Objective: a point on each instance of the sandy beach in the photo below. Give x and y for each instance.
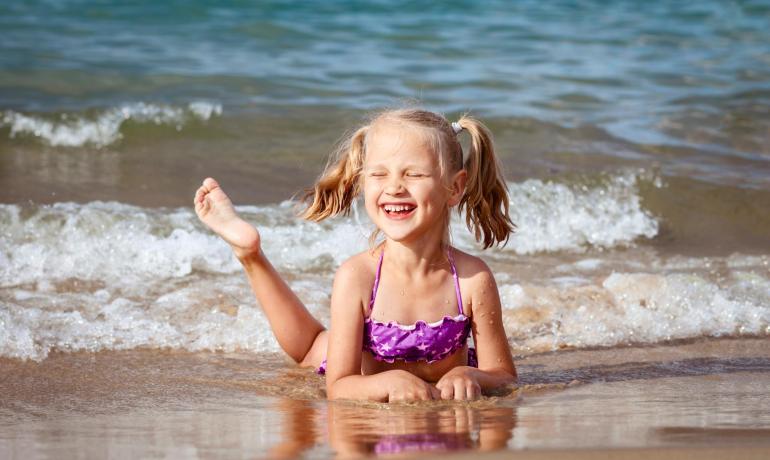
(704, 399)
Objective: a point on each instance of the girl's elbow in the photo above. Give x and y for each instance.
(507, 377)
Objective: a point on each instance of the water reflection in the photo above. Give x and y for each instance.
(354, 430)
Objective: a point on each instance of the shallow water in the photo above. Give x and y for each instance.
(150, 403)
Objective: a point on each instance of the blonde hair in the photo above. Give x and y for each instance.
(485, 200)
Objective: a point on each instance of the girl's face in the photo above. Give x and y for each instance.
(404, 193)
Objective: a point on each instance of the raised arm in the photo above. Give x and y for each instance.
(297, 331)
(344, 355)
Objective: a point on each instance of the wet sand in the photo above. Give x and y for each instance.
(706, 398)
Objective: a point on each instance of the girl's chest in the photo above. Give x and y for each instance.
(408, 302)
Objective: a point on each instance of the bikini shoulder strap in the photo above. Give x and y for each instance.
(457, 281)
(376, 282)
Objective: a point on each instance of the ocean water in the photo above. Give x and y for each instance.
(634, 138)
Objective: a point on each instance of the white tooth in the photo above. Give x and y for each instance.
(397, 207)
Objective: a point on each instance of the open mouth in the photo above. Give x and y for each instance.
(398, 210)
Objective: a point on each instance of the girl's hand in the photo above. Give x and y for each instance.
(215, 209)
(405, 386)
(461, 383)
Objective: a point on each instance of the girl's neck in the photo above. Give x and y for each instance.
(417, 257)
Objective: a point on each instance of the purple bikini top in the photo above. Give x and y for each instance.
(420, 341)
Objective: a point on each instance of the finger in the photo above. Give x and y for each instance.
(459, 391)
(472, 391)
(447, 392)
(435, 393)
(210, 184)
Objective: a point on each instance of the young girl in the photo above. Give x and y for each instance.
(401, 312)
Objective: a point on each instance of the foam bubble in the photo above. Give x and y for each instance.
(103, 129)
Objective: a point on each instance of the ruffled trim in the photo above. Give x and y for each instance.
(436, 324)
(451, 351)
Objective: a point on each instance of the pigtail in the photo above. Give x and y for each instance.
(486, 195)
(339, 184)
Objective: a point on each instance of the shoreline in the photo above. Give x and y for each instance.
(706, 397)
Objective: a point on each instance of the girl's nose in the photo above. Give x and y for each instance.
(395, 186)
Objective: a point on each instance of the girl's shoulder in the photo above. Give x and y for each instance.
(470, 267)
(358, 272)
(477, 283)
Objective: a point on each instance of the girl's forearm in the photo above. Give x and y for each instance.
(294, 327)
(361, 387)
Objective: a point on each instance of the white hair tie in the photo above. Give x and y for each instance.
(456, 127)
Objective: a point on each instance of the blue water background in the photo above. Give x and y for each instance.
(629, 67)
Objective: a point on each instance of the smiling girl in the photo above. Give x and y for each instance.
(402, 311)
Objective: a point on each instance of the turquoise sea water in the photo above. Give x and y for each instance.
(635, 137)
(654, 72)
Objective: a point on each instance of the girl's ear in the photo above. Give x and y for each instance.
(457, 187)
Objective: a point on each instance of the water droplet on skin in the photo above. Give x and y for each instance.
(491, 322)
(499, 360)
(483, 315)
(403, 293)
(446, 301)
(492, 313)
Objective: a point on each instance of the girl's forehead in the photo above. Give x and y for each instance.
(388, 141)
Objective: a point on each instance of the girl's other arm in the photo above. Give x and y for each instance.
(496, 366)
(343, 366)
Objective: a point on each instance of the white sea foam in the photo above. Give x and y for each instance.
(635, 308)
(554, 216)
(113, 276)
(74, 130)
